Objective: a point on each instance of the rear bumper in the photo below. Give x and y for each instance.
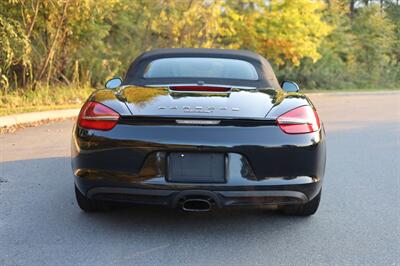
(265, 166)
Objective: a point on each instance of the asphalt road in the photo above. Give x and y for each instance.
(358, 222)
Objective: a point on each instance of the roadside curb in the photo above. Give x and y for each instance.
(10, 122)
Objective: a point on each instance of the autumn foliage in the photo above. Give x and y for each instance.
(320, 44)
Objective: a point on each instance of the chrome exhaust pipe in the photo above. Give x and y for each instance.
(196, 205)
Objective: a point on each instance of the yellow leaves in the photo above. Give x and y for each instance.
(188, 24)
(282, 30)
(105, 35)
(293, 30)
(286, 30)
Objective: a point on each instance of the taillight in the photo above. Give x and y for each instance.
(95, 115)
(303, 119)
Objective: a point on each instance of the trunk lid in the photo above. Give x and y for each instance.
(235, 103)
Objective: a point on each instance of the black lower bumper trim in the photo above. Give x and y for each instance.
(172, 198)
(268, 193)
(130, 191)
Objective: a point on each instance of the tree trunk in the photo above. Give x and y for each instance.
(52, 46)
(36, 10)
(351, 9)
(28, 35)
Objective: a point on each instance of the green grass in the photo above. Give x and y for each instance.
(43, 98)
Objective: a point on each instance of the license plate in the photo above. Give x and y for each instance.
(196, 167)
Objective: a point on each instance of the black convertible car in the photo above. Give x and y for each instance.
(198, 129)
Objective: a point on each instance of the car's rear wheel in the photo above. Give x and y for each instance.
(89, 205)
(306, 209)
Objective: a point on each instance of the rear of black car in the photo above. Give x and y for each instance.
(199, 146)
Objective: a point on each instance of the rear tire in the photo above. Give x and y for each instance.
(306, 209)
(89, 205)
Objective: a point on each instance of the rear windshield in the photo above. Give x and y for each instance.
(200, 67)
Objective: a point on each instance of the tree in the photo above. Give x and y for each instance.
(330, 43)
(375, 38)
(190, 24)
(284, 31)
(14, 52)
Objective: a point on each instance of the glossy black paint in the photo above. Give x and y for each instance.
(266, 166)
(252, 103)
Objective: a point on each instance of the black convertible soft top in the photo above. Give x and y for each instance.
(264, 70)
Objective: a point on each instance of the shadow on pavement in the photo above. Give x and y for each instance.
(40, 192)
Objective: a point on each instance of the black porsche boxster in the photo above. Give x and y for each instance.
(198, 129)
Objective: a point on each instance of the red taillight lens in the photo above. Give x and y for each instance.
(300, 120)
(94, 115)
(199, 88)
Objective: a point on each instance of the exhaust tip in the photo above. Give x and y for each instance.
(196, 205)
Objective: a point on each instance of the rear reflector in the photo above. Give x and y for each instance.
(95, 115)
(303, 119)
(199, 88)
